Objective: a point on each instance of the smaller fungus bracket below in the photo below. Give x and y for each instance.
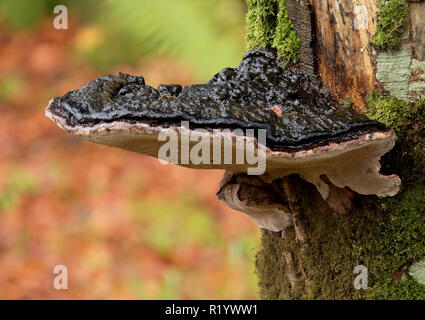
(263, 202)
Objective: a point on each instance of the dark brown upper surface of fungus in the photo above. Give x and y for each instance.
(248, 96)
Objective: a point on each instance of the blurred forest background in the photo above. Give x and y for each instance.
(126, 226)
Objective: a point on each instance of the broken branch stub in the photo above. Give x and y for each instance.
(306, 131)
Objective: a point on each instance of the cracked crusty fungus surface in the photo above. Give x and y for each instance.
(307, 132)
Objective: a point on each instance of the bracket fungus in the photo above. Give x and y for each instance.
(305, 132)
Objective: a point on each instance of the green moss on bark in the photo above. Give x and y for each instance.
(396, 240)
(268, 25)
(261, 23)
(286, 40)
(395, 113)
(391, 25)
(406, 289)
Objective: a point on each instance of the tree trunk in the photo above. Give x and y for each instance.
(317, 258)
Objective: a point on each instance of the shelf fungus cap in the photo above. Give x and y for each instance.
(258, 110)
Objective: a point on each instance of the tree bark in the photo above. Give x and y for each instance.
(316, 259)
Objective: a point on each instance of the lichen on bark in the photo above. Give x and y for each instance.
(268, 25)
(393, 71)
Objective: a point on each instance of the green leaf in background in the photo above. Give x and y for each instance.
(182, 221)
(19, 182)
(10, 84)
(207, 35)
(23, 13)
